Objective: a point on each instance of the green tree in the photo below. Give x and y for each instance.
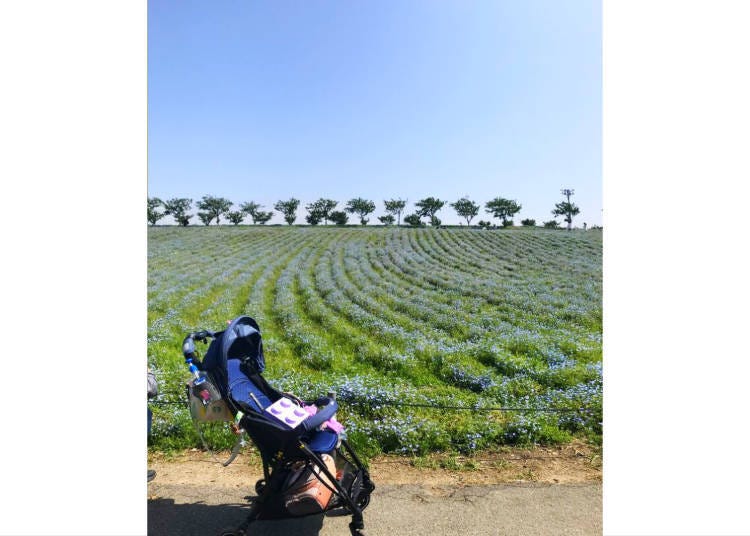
(360, 206)
(503, 208)
(567, 209)
(339, 217)
(288, 209)
(177, 207)
(394, 207)
(251, 209)
(314, 216)
(413, 220)
(152, 213)
(205, 217)
(236, 216)
(388, 219)
(321, 210)
(466, 208)
(528, 222)
(262, 217)
(552, 224)
(214, 207)
(428, 207)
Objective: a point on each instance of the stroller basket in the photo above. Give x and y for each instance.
(306, 440)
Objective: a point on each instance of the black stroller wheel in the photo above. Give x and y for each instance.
(357, 532)
(363, 501)
(260, 486)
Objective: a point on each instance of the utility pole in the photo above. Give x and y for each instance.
(567, 193)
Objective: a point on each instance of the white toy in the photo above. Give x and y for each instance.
(287, 412)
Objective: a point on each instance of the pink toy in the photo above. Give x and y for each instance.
(331, 424)
(288, 412)
(334, 425)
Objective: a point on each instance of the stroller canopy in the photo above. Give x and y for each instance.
(242, 341)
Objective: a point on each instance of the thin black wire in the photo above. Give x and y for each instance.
(467, 408)
(408, 461)
(429, 406)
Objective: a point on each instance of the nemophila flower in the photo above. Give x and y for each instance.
(473, 382)
(472, 440)
(559, 362)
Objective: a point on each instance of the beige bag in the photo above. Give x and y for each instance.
(217, 409)
(305, 493)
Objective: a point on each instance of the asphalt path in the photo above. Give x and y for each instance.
(529, 509)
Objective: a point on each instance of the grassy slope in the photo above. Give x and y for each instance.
(451, 316)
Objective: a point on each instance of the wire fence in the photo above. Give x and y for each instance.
(442, 407)
(501, 458)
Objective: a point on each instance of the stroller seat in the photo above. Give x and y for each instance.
(246, 393)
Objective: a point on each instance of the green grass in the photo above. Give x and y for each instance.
(464, 317)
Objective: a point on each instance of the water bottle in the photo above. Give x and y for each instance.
(201, 384)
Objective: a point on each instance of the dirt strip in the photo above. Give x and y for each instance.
(568, 464)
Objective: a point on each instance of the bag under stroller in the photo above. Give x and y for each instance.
(308, 467)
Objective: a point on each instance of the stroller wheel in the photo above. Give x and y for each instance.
(260, 486)
(233, 532)
(363, 501)
(355, 531)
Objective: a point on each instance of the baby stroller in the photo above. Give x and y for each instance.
(294, 448)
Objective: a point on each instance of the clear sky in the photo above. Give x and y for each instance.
(267, 100)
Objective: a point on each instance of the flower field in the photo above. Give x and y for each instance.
(405, 325)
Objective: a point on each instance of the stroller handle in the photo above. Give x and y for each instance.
(188, 344)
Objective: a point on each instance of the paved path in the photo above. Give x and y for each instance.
(395, 510)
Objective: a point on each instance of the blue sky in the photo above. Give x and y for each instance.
(269, 100)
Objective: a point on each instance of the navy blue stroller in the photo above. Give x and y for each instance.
(305, 450)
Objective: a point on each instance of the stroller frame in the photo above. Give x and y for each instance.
(279, 445)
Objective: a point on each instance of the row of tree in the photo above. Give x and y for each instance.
(212, 208)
